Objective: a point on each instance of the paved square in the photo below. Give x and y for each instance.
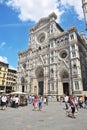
(52, 117)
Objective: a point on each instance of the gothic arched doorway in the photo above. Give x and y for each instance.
(40, 79)
(66, 88)
(65, 81)
(23, 83)
(40, 87)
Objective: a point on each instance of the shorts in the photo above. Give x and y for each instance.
(3, 103)
(40, 104)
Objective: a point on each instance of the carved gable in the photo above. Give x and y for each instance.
(44, 21)
(44, 29)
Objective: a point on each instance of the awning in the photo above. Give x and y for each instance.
(18, 92)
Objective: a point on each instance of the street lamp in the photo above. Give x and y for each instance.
(84, 6)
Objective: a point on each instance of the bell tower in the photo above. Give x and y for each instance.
(84, 6)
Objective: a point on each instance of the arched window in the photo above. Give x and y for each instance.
(40, 74)
(51, 72)
(76, 85)
(22, 80)
(72, 36)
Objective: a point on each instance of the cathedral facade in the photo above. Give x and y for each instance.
(55, 62)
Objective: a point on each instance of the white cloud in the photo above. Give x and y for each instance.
(76, 4)
(2, 44)
(11, 67)
(35, 9)
(3, 59)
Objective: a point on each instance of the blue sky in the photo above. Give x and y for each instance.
(18, 16)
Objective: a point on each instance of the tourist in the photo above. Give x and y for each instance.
(16, 101)
(40, 103)
(35, 103)
(3, 101)
(72, 104)
(66, 99)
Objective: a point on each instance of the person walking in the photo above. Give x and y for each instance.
(16, 101)
(35, 103)
(76, 103)
(72, 104)
(3, 101)
(40, 103)
(66, 99)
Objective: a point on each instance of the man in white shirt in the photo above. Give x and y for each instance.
(16, 101)
(3, 101)
(66, 98)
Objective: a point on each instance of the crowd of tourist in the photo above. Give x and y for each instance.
(14, 101)
(37, 101)
(72, 103)
(9, 100)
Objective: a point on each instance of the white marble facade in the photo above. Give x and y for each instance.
(55, 61)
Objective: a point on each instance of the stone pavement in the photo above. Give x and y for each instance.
(53, 117)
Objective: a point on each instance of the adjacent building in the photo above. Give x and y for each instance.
(8, 78)
(55, 62)
(11, 84)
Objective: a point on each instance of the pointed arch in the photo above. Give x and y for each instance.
(39, 72)
(22, 80)
(23, 83)
(64, 73)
